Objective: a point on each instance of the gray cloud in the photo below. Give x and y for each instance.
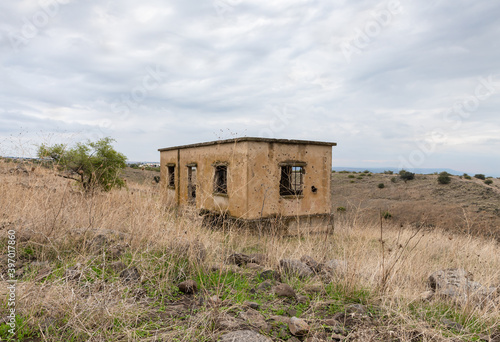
(256, 68)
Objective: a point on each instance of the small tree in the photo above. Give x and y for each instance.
(406, 175)
(444, 178)
(479, 176)
(488, 182)
(95, 164)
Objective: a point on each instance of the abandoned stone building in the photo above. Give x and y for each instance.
(251, 179)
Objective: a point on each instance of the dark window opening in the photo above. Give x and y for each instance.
(292, 180)
(171, 176)
(192, 184)
(220, 179)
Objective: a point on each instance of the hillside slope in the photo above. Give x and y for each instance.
(468, 206)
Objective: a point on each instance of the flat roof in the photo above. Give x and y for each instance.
(242, 139)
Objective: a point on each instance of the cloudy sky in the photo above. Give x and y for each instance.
(394, 83)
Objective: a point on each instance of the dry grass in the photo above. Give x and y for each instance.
(54, 222)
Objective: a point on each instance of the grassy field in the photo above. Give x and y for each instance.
(105, 267)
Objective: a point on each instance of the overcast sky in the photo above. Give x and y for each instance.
(394, 83)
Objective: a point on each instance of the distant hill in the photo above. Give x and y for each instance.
(464, 206)
(422, 171)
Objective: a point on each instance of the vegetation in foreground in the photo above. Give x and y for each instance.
(107, 266)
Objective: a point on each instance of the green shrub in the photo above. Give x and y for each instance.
(353, 181)
(488, 182)
(381, 186)
(350, 176)
(388, 172)
(394, 179)
(341, 209)
(386, 215)
(359, 177)
(366, 171)
(466, 176)
(444, 178)
(479, 176)
(406, 175)
(369, 175)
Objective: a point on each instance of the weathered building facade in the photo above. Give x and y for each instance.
(251, 179)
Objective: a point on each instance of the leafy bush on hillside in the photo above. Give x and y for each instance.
(388, 172)
(488, 182)
(466, 176)
(479, 176)
(381, 186)
(406, 175)
(350, 176)
(444, 178)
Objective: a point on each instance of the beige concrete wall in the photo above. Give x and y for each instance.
(253, 178)
(265, 173)
(234, 155)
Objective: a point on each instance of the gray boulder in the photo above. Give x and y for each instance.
(457, 284)
(244, 336)
(294, 267)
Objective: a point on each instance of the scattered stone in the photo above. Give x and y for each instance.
(188, 287)
(227, 322)
(254, 266)
(295, 267)
(284, 290)
(130, 274)
(298, 327)
(252, 305)
(265, 286)
(40, 264)
(451, 324)
(313, 264)
(303, 299)
(255, 319)
(334, 267)
(244, 336)
(280, 319)
(458, 284)
(239, 259)
(270, 274)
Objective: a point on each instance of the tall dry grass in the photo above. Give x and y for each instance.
(54, 221)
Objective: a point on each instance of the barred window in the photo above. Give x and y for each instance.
(171, 176)
(292, 180)
(220, 180)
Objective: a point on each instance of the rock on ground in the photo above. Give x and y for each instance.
(298, 327)
(244, 336)
(284, 290)
(188, 287)
(458, 284)
(296, 267)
